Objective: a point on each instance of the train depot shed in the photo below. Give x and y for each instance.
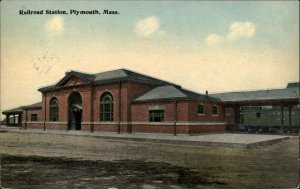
(274, 110)
(13, 117)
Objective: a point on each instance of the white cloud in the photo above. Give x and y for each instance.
(213, 39)
(55, 26)
(239, 30)
(148, 27)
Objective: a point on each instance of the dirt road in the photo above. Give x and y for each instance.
(31, 160)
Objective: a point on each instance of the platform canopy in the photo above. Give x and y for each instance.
(286, 96)
(13, 111)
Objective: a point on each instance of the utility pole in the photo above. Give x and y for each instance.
(175, 118)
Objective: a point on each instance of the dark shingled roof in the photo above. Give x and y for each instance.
(12, 111)
(171, 92)
(295, 84)
(103, 77)
(20, 109)
(85, 76)
(35, 105)
(127, 74)
(292, 92)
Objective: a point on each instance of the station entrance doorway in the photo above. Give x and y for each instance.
(75, 111)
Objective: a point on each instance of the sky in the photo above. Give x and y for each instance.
(218, 46)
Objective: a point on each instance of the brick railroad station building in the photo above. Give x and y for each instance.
(122, 101)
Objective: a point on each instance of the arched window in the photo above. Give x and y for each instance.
(54, 109)
(106, 107)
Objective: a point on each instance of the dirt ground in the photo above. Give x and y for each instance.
(31, 160)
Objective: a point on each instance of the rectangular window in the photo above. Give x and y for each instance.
(200, 109)
(156, 115)
(242, 119)
(33, 117)
(215, 110)
(258, 115)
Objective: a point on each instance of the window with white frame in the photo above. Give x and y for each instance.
(106, 107)
(156, 115)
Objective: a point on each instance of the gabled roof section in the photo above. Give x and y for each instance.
(128, 74)
(109, 76)
(142, 77)
(170, 92)
(291, 92)
(47, 88)
(84, 76)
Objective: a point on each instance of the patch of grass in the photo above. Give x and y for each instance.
(34, 171)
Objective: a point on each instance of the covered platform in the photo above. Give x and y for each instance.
(13, 116)
(287, 98)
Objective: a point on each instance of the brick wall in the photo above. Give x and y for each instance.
(26, 117)
(208, 115)
(49, 126)
(106, 127)
(130, 112)
(85, 127)
(187, 113)
(53, 126)
(140, 111)
(32, 125)
(133, 90)
(63, 98)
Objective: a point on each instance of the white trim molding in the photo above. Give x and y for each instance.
(152, 123)
(34, 122)
(101, 123)
(200, 123)
(56, 122)
(41, 122)
(179, 123)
